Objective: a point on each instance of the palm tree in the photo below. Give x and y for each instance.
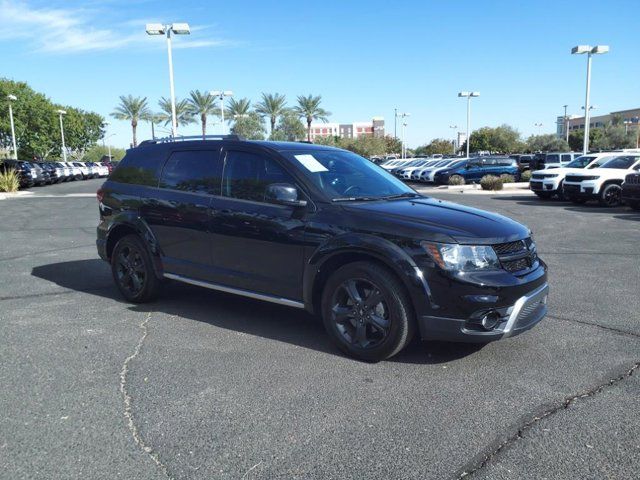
(309, 109)
(184, 115)
(153, 118)
(237, 108)
(272, 106)
(133, 109)
(202, 104)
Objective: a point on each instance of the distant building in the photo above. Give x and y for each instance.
(561, 125)
(373, 128)
(630, 118)
(461, 139)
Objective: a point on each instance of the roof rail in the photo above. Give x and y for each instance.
(182, 138)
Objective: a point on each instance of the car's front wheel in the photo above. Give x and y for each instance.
(367, 311)
(133, 271)
(611, 195)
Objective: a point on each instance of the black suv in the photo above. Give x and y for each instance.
(631, 190)
(321, 229)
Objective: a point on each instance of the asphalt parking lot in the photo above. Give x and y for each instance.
(203, 385)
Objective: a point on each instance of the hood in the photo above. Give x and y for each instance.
(560, 170)
(613, 172)
(437, 220)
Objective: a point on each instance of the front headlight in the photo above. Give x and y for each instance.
(464, 258)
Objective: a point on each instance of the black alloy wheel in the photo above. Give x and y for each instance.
(132, 270)
(360, 313)
(611, 195)
(367, 312)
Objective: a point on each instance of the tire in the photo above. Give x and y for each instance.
(360, 328)
(132, 270)
(543, 195)
(611, 195)
(635, 205)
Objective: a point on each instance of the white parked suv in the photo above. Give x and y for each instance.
(76, 173)
(603, 183)
(545, 183)
(405, 173)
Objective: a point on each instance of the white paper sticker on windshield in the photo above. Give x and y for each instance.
(310, 163)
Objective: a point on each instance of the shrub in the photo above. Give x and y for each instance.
(491, 182)
(506, 178)
(9, 181)
(456, 180)
(525, 176)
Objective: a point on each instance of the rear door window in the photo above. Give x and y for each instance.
(247, 174)
(139, 166)
(197, 171)
(566, 158)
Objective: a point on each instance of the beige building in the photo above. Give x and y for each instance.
(630, 118)
(348, 130)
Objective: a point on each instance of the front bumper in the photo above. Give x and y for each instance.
(586, 189)
(545, 185)
(524, 314)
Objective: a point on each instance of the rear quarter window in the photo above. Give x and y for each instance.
(139, 167)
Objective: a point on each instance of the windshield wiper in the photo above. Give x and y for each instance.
(354, 199)
(401, 195)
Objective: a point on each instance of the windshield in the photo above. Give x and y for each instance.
(341, 174)
(621, 162)
(580, 162)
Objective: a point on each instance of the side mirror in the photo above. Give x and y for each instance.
(283, 194)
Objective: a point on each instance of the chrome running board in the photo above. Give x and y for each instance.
(235, 291)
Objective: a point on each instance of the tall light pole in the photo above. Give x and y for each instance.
(403, 150)
(106, 137)
(64, 148)
(468, 95)
(167, 30)
(539, 125)
(221, 94)
(12, 98)
(566, 124)
(454, 142)
(590, 51)
(395, 123)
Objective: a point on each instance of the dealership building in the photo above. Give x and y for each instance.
(630, 118)
(374, 128)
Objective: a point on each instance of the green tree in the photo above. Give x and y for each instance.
(309, 108)
(184, 113)
(436, 146)
(502, 139)
(237, 108)
(97, 152)
(272, 106)
(289, 128)
(392, 145)
(603, 138)
(547, 143)
(249, 126)
(131, 109)
(202, 105)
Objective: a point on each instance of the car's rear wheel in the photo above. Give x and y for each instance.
(367, 311)
(132, 270)
(611, 195)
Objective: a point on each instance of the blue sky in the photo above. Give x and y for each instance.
(364, 57)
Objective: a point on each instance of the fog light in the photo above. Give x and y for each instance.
(490, 320)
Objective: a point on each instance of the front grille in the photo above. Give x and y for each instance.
(571, 188)
(509, 248)
(533, 309)
(573, 178)
(516, 256)
(535, 185)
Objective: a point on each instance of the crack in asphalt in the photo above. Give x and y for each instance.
(483, 459)
(592, 324)
(127, 400)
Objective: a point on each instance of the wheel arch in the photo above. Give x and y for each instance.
(130, 225)
(343, 250)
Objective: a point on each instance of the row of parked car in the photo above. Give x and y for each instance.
(441, 170)
(610, 178)
(46, 173)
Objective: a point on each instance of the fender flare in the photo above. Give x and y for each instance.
(132, 221)
(382, 250)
